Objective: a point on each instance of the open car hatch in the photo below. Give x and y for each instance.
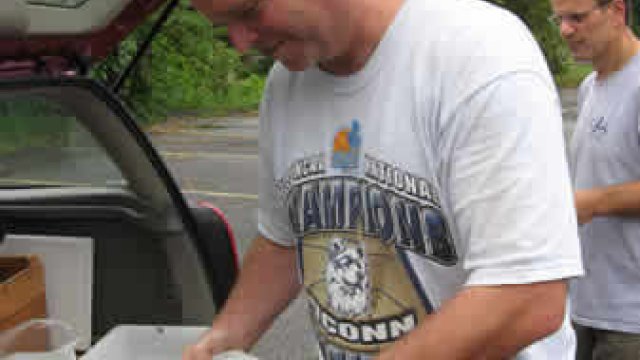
(64, 36)
(84, 188)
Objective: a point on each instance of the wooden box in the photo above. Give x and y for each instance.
(22, 290)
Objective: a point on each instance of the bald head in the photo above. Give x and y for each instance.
(337, 34)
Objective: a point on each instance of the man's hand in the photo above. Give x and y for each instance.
(615, 200)
(587, 202)
(211, 343)
(267, 282)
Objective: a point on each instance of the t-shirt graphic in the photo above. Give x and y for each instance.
(346, 147)
(354, 235)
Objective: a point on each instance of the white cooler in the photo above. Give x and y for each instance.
(152, 342)
(144, 342)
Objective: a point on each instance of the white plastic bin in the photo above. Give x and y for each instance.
(144, 342)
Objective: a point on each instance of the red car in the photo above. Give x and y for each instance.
(82, 186)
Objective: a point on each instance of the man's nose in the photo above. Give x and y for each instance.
(566, 28)
(242, 36)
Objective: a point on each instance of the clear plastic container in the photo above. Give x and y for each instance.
(38, 339)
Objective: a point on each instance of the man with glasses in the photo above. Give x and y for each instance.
(410, 183)
(605, 167)
(576, 18)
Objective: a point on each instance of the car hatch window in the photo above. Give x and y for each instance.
(42, 145)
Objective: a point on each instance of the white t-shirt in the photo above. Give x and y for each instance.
(606, 151)
(438, 166)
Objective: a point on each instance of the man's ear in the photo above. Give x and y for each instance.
(619, 9)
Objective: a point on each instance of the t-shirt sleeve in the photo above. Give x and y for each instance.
(507, 176)
(272, 213)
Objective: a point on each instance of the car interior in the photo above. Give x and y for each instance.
(90, 195)
(83, 189)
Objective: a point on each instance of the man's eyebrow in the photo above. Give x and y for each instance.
(240, 8)
(234, 12)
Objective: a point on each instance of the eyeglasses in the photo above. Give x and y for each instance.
(576, 18)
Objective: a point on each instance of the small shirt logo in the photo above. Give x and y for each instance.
(599, 125)
(346, 147)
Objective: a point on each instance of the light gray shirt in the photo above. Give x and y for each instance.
(606, 151)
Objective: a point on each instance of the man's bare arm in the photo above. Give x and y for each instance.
(486, 322)
(267, 283)
(615, 200)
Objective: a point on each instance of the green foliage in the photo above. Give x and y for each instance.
(32, 122)
(634, 12)
(535, 15)
(574, 74)
(189, 67)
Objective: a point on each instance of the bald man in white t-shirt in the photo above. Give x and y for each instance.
(412, 182)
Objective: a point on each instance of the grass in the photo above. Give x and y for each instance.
(573, 75)
(17, 132)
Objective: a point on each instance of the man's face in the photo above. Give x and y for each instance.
(298, 33)
(585, 25)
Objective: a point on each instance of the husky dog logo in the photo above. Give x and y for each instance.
(348, 286)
